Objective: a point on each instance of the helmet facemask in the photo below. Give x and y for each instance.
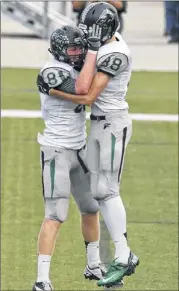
(76, 54)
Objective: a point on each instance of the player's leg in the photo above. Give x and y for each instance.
(88, 206)
(115, 138)
(111, 204)
(93, 158)
(113, 143)
(92, 161)
(56, 191)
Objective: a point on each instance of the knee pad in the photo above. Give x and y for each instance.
(103, 186)
(57, 209)
(62, 206)
(107, 188)
(90, 207)
(87, 204)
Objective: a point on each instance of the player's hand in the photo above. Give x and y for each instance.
(42, 86)
(94, 37)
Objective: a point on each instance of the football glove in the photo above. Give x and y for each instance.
(93, 36)
(42, 86)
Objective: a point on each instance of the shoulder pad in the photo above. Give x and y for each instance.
(55, 76)
(112, 63)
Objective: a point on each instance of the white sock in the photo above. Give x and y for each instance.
(92, 250)
(122, 250)
(114, 215)
(43, 268)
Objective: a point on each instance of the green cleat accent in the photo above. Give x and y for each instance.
(114, 275)
(117, 271)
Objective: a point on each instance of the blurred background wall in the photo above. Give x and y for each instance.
(144, 27)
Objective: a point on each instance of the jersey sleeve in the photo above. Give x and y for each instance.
(55, 76)
(112, 63)
(59, 79)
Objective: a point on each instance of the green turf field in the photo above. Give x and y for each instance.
(148, 92)
(149, 191)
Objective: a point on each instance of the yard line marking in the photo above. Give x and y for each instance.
(22, 113)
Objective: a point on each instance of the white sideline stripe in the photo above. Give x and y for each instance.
(135, 116)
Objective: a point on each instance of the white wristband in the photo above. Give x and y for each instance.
(92, 52)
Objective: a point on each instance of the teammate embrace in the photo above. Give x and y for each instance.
(91, 66)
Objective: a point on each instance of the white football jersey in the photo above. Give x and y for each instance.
(113, 58)
(64, 120)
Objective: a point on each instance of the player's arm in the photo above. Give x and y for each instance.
(56, 81)
(108, 66)
(61, 79)
(84, 80)
(99, 82)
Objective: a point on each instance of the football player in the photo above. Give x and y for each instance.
(63, 148)
(110, 132)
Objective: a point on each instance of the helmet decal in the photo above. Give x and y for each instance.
(60, 40)
(106, 17)
(102, 14)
